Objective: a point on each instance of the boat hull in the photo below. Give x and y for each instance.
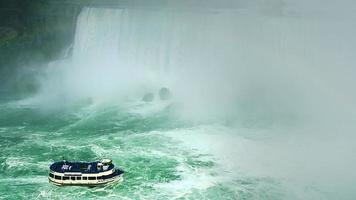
(89, 183)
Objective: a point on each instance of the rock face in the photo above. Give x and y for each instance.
(33, 33)
(164, 94)
(148, 97)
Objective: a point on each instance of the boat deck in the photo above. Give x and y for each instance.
(78, 167)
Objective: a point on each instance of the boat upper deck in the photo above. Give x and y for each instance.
(80, 167)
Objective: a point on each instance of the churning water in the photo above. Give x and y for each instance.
(262, 107)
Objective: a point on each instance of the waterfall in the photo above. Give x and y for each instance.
(215, 60)
(184, 49)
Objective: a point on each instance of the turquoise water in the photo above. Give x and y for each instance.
(137, 136)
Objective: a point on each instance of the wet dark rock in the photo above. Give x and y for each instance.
(148, 97)
(164, 94)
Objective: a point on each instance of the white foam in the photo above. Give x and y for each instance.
(191, 180)
(149, 108)
(290, 159)
(25, 180)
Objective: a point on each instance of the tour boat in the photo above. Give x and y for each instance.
(84, 173)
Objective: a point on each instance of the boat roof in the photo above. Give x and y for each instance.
(78, 167)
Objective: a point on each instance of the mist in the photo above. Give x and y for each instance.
(284, 69)
(286, 59)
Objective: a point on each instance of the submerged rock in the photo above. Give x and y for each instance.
(148, 97)
(164, 94)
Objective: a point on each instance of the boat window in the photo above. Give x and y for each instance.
(57, 177)
(92, 178)
(65, 177)
(72, 178)
(51, 175)
(79, 178)
(85, 178)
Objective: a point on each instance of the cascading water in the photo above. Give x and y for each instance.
(259, 110)
(209, 58)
